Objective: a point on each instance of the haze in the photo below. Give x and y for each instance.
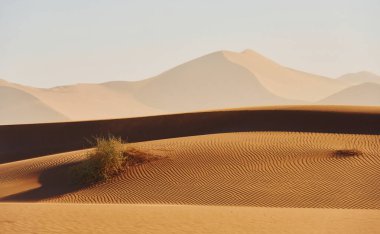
(50, 43)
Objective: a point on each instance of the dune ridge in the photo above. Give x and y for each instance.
(19, 142)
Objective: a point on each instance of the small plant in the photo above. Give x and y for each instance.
(346, 153)
(109, 158)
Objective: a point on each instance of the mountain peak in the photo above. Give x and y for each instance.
(250, 56)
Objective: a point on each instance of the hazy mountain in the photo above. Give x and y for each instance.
(208, 82)
(225, 79)
(19, 107)
(283, 81)
(367, 94)
(79, 102)
(222, 79)
(360, 78)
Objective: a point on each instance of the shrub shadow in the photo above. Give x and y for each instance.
(54, 182)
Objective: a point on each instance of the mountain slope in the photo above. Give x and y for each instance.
(360, 78)
(92, 101)
(283, 81)
(82, 102)
(367, 94)
(234, 79)
(218, 80)
(211, 81)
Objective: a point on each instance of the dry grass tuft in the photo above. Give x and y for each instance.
(109, 158)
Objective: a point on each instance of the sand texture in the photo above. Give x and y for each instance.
(122, 218)
(270, 169)
(18, 142)
(230, 171)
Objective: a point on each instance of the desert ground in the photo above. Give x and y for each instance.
(248, 170)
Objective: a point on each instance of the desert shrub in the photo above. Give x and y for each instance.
(135, 157)
(109, 158)
(346, 153)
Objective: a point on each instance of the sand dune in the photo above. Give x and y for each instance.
(366, 94)
(267, 169)
(360, 78)
(260, 169)
(218, 80)
(77, 102)
(230, 79)
(86, 218)
(208, 82)
(283, 81)
(19, 107)
(25, 141)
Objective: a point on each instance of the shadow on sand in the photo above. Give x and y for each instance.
(54, 182)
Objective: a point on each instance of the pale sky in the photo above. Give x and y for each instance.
(46, 43)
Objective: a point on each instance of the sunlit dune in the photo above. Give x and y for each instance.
(220, 167)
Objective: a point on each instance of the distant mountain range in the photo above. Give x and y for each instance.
(219, 80)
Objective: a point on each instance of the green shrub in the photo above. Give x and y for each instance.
(109, 158)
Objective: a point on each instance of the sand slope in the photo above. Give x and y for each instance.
(76, 102)
(219, 80)
(233, 181)
(17, 106)
(360, 78)
(270, 169)
(208, 82)
(283, 81)
(19, 142)
(362, 94)
(85, 218)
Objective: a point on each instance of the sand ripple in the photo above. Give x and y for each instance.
(268, 169)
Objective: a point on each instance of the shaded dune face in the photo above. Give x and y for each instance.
(269, 169)
(18, 142)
